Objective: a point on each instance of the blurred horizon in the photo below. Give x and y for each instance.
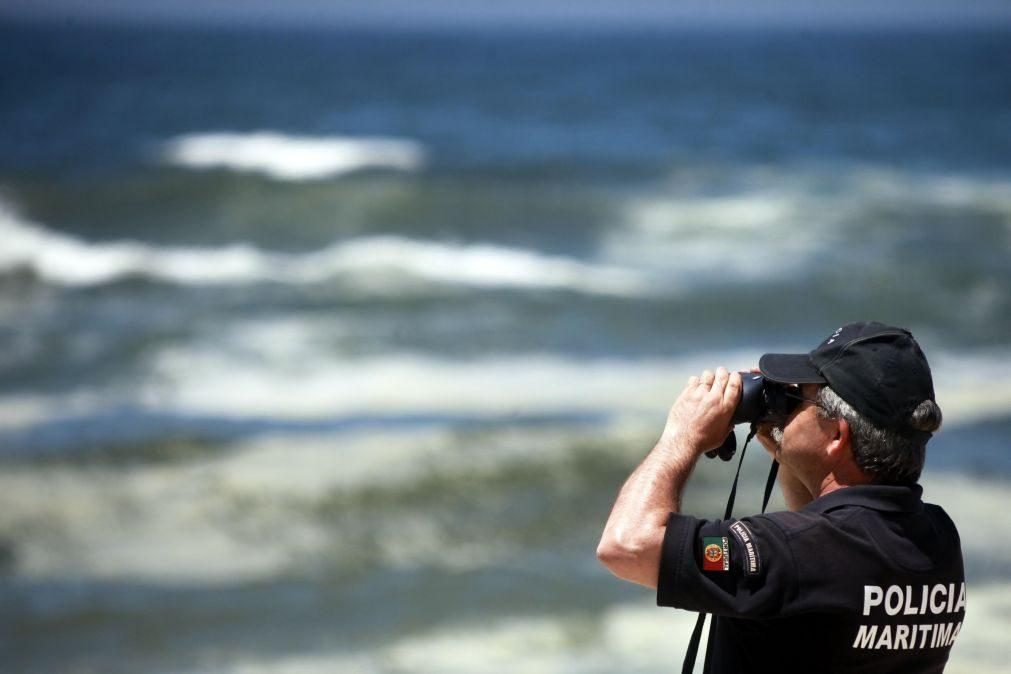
(548, 14)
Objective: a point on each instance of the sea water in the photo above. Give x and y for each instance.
(328, 350)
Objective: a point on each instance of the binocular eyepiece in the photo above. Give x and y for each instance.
(761, 400)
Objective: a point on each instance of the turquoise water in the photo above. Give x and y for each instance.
(329, 350)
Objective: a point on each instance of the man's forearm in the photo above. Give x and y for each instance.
(633, 536)
(699, 420)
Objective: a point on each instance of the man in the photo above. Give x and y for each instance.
(859, 575)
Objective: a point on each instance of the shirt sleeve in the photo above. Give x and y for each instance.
(738, 568)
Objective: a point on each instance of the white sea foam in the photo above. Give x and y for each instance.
(970, 385)
(286, 369)
(632, 637)
(776, 226)
(779, 223)
(991, 193)
(197, 520)
(158, 523)
(730, 239)
(474, 265)
(636, 636)
(402, 383)
(379, 264)
(284, 157)
(202, 520)
(694, 215)
(191, 520)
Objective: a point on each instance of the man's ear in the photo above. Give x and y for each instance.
(841, 447)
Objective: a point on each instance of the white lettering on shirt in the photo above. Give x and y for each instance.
(934, 607)
(910, 600)
(872, 597)
(893, 591)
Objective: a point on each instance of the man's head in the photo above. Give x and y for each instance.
(873, 382)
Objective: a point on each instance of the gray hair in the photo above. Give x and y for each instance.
(889, 457)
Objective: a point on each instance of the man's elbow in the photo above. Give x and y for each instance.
(637, 561)
(612, 554)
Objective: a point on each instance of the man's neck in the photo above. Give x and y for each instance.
(836, 481)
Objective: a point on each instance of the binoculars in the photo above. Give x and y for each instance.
(761, 400)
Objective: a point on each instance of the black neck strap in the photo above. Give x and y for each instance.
(693, 644)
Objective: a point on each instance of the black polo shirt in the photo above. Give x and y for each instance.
(863, 579)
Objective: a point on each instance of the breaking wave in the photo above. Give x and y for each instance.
(291, 158)
(283, 373)
(379, 263)
(775, 225)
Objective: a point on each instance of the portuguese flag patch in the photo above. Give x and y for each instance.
(715, 553)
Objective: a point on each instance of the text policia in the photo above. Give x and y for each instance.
(907, 600)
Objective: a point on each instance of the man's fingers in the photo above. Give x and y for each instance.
(732, 392)
(707, 378)
(720, 382)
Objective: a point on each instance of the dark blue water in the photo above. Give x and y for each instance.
(92, 97)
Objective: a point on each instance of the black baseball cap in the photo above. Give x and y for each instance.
(878, 369)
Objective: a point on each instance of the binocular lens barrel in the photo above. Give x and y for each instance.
(761, 400)
(753, 405)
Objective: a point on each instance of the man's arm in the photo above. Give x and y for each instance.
(698, 421)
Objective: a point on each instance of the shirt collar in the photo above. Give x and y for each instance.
(887, 498)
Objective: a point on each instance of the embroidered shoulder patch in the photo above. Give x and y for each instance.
(715, 553)
(752, 561)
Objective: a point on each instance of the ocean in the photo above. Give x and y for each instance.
(328, 350)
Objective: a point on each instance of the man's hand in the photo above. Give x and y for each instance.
(699, 420)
